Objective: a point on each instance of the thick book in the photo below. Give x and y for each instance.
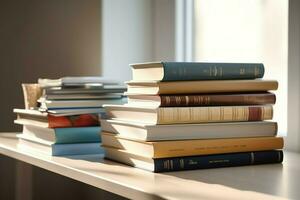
(194, 87)
(195, 162)
(186, 71)
(37, 118)
(48, 148)
(150, 132)
(63, 135)
(180, 115)
(223, 99)
(165, 149)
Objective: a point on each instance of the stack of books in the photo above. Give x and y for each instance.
(184, 116)
(65, 117)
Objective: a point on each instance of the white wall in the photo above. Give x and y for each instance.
(126, 36)
(42, 39)
(135, 31)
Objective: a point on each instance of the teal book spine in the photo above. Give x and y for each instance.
(76, 149)
(189, 71)
(77, 135)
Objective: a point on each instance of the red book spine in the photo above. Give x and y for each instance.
(73, 121)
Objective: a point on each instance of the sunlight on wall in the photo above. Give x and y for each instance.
(246, 31)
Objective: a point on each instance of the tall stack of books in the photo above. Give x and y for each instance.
(64, 116)
(184, 116)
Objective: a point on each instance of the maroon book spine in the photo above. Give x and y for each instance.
(218, 99)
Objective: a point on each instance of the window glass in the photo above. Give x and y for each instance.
(246, 31)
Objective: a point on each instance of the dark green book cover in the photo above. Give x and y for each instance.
(188, 71)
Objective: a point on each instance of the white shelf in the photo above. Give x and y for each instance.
(249, 182)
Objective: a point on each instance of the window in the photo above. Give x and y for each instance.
(242, 31)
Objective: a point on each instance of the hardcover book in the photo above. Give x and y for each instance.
(150, 132)
(180, 115)
(52, 149)
(194, 162)
(165, 149)
(194, 87)
(63, 135)
(37, 118)
(222, 99)
(186, 71)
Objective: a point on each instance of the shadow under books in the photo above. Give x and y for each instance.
(265, 178)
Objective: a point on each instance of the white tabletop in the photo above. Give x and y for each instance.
(250, 182)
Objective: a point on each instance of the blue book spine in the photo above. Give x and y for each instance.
(189, 71)
(216, 161)
(77, 135)
(76, 149)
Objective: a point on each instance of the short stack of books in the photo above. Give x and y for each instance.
(184, 116)
(65, 117)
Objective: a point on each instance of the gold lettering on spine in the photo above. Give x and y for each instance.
(168, 100)
(215, 71)
(256, 71)
(252, 158)
(181, 163)
(200, 100)
(167, 164)
(187, 100)
(242, 71)
(207, 100)
(177, 100)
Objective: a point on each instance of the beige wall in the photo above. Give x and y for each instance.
(51, 38)
(43, 38)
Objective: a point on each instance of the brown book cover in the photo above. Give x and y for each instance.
(197, 87)
(223, 99)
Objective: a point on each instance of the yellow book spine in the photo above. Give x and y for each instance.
(217, 146)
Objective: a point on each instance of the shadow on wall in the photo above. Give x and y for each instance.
(45, 39)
